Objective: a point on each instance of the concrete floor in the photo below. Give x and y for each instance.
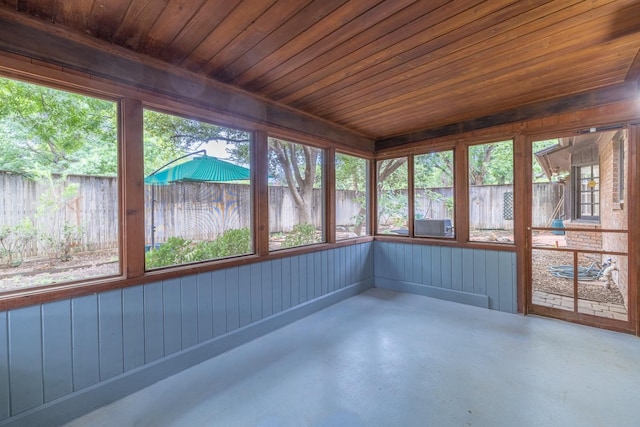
(388, 359)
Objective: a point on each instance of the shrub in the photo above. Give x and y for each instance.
(59, 245)
(174, 251)
(180, 251)
(302, 234)
(13, 241)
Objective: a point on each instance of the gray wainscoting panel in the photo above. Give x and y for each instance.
(490, 273)
(25, 359)
(189, 310)
(5, 409)
(133, 332)
(86, 342)
(204, 300)
(56, 347)
(55, 352)
(110, 334)
(153, 322)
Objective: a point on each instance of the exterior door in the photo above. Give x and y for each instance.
(578, 234)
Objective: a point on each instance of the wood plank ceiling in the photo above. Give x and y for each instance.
(380, 68)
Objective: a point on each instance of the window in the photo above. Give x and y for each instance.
(433, 193)
(587, 191)
(618, 165)
(392, 196)
(59, 220)
(352, 210)
(296, 197)
(491, 192)
(197, 191)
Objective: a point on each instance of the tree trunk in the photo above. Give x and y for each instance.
(300, 183)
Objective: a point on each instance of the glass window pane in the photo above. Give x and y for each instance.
(197, 191)
(433, 190)
(59, 179)
(393, 198)
(490, 177)
(296, 196)
(351, 196)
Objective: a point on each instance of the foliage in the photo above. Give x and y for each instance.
(49, 131)
(351, 174)
(59, 244)
(232, 242)
(433, 170)
(393, 199)
(301, 235)
(177, 250)
(167, 136)
(62, 237)
(13, 241)
(433, 197)
(300, 166)
(538, 173)
(54, 131)
(491, 164)
(393, 208)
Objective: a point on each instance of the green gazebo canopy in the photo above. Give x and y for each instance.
(199, 169)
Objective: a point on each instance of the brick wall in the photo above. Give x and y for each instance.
(613, 213)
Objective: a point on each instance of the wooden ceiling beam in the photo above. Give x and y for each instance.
(621, 92)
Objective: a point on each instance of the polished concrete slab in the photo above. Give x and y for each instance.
(388, 359)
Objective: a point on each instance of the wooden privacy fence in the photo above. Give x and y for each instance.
(490, 206)
(87, 205)
(200, 211)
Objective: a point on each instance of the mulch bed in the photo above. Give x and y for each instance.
(544, 281)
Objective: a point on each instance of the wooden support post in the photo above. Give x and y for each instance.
(522, 185)
(410, 195)
(373, 196)
(132, 188)
(260, 176)
(330, 195)
(461, 192)
(632, 200)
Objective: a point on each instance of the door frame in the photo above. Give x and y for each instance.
(632, 207)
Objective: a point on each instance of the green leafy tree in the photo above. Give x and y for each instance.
(167, 137)
(351, 174)
(491, 164)
(50, 130)
(300, 165)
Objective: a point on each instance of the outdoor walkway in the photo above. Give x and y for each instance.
(601, 309)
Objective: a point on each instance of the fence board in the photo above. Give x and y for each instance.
(203, 211)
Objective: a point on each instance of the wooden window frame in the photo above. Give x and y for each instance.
(252, 165)
(577, 193)
(131, 104)
(455, 204)
(332, 173)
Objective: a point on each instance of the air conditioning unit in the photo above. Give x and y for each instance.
(433, 227)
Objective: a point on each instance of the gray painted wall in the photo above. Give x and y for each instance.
(458, 274)
(51, 350)
(55, 358)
